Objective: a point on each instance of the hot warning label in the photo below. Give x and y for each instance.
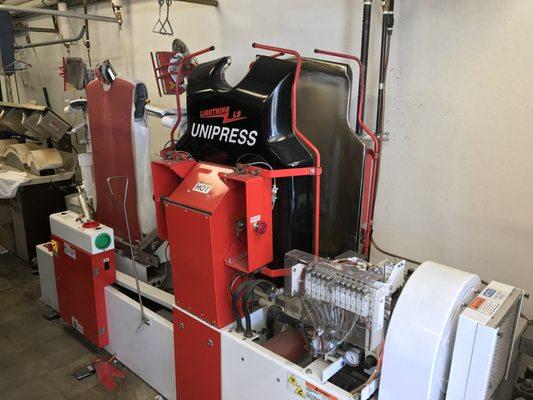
(306, 390)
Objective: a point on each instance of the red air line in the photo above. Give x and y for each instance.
(185, 59)
(299, 134)
(375, 153)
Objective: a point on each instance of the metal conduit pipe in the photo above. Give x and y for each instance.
(68, 14)
(31, 3)
(51, 42)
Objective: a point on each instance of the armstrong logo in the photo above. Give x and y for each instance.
(222, 112)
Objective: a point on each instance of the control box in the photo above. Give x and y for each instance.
(84, 264)
(484, 343)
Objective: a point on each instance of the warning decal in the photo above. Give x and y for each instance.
(490, 299)
(477, 302)
(306, 390)
(203, 188)
(295, 385)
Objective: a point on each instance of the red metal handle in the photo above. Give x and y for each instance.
(377, 146)
(185, 59)
(300, 135)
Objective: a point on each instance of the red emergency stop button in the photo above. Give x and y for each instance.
(260, 227)
(90, 225)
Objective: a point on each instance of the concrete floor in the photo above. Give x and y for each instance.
(38, 357)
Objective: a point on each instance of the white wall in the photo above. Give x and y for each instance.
(456, 184)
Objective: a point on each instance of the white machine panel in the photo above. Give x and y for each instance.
(149, 353)
(250, 371)
(484, 343)
(47, 277)
(419, 341)
(69, 226)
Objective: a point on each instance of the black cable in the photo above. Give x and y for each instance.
(393, 255)
(263, 284)
(272, 315)
(234, 298)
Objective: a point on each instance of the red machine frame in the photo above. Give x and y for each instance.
(81, 279)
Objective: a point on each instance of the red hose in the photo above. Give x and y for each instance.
(300, 135)
(376, 153)
(185, 59)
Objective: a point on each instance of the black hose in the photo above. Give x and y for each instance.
(272, 316)
(265, 285)
(234, 298)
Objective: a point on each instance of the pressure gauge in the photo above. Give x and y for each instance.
(353, 357)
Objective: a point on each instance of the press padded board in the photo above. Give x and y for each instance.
(110, 123)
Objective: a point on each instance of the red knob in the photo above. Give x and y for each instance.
(260, 227)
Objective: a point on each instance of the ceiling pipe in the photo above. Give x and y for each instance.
(68, 14)
(24, 28)
(31, 3)
(51, 42)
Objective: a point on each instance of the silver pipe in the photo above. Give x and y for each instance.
(19, 28)
(203, 2)
(51, 42)
(144, 319)
(67, 14)
(32, 3)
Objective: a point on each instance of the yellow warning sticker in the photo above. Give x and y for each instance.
(296, 385)
(306, 390)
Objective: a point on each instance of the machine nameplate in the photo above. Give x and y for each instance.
(202, 188)
(69, 251)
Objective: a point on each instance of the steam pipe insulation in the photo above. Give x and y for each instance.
(365, 42)
(386, 34)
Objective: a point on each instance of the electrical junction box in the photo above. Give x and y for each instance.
(89, 236)
(84, 264)
(484, 343)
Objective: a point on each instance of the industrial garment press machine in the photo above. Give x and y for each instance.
(266, 202)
